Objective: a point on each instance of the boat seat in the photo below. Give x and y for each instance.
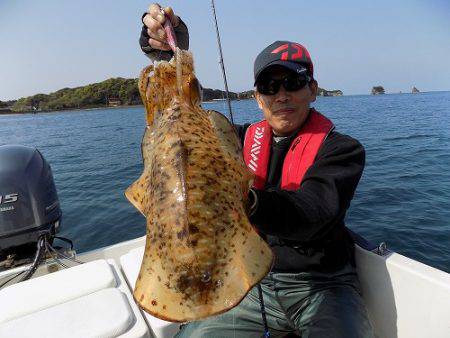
(88, 300)
(131, 264)
(55, 288)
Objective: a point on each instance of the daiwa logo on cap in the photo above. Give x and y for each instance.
(256, 149)
(299, 51)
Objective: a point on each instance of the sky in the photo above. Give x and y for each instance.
(47, 45)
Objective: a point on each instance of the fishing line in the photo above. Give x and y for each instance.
(263, 312)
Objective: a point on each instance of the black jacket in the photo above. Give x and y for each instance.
(305, 228)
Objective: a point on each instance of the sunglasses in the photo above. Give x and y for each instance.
(290, 83)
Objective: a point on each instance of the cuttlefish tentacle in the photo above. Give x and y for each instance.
(143, 84)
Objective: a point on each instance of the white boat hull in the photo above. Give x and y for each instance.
(405, 298)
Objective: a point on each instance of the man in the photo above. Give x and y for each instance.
(306, 174)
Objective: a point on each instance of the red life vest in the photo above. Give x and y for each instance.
(300, 156)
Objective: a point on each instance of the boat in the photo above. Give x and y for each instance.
(404, 298)
(90, 294)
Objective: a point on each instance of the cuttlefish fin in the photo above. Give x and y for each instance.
(135, 194)
(230, 143)
(138, 192)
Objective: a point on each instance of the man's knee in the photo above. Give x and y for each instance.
(336, 312)
(234, 323)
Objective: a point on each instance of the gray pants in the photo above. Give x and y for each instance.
(310, 304)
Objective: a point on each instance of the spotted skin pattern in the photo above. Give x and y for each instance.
(202, 255)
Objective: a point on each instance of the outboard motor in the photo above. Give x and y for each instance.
(29, 205)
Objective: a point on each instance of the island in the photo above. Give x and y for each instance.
(114, 92)
(377, 90)
(324, 92)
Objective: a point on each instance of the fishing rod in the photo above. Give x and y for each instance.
(221, 62)
(260, 293)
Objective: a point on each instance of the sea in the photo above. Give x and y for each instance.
(403, 198)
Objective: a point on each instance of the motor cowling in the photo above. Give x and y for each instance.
(29, 204)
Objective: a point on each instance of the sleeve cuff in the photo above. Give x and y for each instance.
(258, 215)
(253, 199)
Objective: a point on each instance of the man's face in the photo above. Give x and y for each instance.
(286, 111)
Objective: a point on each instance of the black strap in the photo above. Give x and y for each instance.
(65, 240)
(263, 312)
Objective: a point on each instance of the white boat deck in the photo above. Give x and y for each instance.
(404, 298)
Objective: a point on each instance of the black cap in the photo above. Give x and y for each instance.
(288, 54)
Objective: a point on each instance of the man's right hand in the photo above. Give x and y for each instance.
(153, 40)
(154, 21)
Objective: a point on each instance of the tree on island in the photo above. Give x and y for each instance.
(376, 90)
(92, 95)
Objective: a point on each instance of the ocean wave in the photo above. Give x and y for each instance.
(409, 137)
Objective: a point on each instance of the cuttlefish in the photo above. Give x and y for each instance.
(202, 255)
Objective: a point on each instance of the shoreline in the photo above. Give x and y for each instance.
(91, 108)
(207, 102)
(69, 109)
